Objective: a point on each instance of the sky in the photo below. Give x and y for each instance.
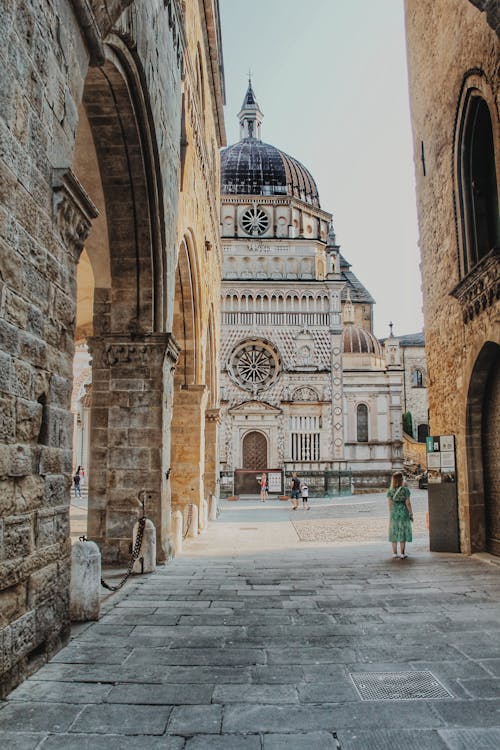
(330, 77)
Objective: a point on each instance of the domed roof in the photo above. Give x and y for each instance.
(357, 340)
(251, 167)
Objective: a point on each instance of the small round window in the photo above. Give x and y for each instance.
(255, 221)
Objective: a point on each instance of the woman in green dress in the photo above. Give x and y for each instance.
(400, 515)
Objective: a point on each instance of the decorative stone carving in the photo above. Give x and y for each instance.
(73, 210)
(213, 415)
(305, 394)
(480, 289)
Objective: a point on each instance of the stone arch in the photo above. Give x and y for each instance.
(119, 119)
(116, 160)
(482, 419)
(187, 319)
(190, 391)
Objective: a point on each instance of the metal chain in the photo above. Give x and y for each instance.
(134, 556)
(189, 520)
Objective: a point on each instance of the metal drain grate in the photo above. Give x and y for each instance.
(398, 686)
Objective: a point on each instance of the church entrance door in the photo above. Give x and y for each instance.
(254, 451)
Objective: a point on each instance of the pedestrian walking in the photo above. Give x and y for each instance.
(305, 496)
(76, 483)
(264, 488)
(400, 515)
(295, 491)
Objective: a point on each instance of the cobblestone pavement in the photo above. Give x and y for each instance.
(256, 640)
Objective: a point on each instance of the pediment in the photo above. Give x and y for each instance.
(254, 407)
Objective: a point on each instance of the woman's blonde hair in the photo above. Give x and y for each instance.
(397, 480)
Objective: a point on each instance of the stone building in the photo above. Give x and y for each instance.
(304, 382)
(455, 100)
(111, 125)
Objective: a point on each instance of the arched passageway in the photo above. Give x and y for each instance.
(483, 458)
(120, 305)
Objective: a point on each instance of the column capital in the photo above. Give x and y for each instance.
(111, 349)
(213, 415)
(73, 210)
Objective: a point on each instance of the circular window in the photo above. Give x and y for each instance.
(254, 365)
(255, 221)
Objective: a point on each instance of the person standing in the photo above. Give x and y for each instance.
(264, 490)
(295, 491)
(400, 515)
(76, 483)
(305, 496)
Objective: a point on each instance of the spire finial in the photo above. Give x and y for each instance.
(391, 335)
(250, 115)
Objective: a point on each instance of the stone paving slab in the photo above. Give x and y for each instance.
(309, 741)
(111, 742)
(247, 642)
(420, 739)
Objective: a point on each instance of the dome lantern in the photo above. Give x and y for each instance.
(250, 115)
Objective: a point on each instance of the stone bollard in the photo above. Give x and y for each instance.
(146, 562)
(212, 508)
(85, 587)
(193, 525)
(177, 531)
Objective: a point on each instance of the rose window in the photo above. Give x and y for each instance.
(255, 221)
(254, 365)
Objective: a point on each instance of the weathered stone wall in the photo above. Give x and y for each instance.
(196, 310)
(441, 51)
(45, 218)
(41, 84)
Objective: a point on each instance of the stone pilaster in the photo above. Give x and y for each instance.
(188, 445)
(336, 347)
(212, 422)
(126, 439)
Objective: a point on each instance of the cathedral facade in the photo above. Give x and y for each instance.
(305, 385)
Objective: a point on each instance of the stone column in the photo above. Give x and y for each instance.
(188, 445)
(126, 439)
(212, 421)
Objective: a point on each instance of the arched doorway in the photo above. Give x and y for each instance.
(254, 451)
(483, 458)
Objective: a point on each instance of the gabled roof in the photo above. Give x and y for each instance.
(358, 292)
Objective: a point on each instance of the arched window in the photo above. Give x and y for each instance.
(362, 423)
(477, 183)
(418, 379)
